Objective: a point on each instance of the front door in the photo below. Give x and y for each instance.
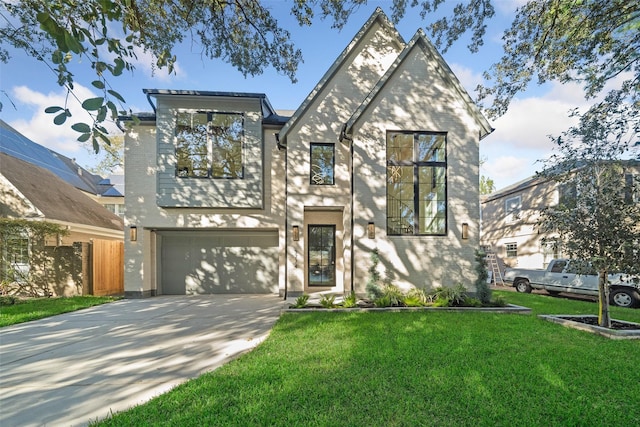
(321, 259)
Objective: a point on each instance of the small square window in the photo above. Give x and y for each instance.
(512, 250)
(322, 164)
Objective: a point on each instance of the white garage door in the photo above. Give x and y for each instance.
(219, 262)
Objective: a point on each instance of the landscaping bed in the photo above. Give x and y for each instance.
(620, 329)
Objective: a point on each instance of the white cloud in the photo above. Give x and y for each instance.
(40, 127)
(145, 62)
(509, 7)
(469, 79)
(521, 137)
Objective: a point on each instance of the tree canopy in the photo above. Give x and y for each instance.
(596, 43)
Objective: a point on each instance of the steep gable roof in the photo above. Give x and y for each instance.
(378, 16)
(55, 198)
(421, 41)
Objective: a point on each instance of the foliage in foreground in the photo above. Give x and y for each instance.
(414, 368)
(13, 311)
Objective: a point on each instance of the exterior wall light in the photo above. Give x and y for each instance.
(133, 233)
(465, 230)
(371, 230)
(296, 233)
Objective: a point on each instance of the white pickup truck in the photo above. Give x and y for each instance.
(562, 275)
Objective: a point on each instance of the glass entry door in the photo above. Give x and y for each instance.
(321, 259)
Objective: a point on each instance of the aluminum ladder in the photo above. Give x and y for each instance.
(492, 265)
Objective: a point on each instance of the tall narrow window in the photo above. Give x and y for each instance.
(416, 183)
(209, 144)
(322, 164)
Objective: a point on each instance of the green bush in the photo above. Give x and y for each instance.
(393, 293)
(373, 284)
(382, 301)
(482, 287)
(301, 301)
(472, 302)
(8, 300)
(499, 301)
(350, 300)
(412, 301)
(328, 301)
(453, 296)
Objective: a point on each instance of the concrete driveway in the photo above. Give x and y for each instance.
(78, 367)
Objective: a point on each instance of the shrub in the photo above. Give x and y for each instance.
(472, 302)
(450, 296)
(482, 287)
(350, 300)
(382, 301)
(416, 294)
(301, 301)
(499, 301)
(328, 301)
(373, 284)
(393, 294)
(412, 301)
(7, 300)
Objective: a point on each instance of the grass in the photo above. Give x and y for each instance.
(38, 308)
(416, 368)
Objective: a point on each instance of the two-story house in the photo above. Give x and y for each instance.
(224, 195)
(510, 218)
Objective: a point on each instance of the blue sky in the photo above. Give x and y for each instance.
(28, 87)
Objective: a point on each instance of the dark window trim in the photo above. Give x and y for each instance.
(333, 161)
(416, 184)
(209, 114)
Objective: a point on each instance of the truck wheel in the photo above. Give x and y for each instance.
(624, 297)
(523, 285)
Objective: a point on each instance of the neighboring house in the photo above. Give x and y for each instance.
(224, 195)
(36, 194)
(107, 192)
(510, 216)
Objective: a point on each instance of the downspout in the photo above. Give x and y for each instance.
(345, 137)
(151, 103)
(282, 147)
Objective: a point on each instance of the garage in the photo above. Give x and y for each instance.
(218, 262)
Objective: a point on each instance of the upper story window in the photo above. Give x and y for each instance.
(209, 145)
(416, 183)
(322, 164)
(511, 250)
(512, 207)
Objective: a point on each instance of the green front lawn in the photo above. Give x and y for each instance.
(38, 308)
(416, 368)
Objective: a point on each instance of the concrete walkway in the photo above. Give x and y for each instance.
(74, 368)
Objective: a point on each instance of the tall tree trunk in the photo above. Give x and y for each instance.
(603, 300)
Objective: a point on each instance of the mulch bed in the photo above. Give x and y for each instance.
(593, 320)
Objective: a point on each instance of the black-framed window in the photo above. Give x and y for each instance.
(322, 163)
(209, 145)
(416, 183)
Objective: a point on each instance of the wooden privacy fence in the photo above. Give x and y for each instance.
(107, 268)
